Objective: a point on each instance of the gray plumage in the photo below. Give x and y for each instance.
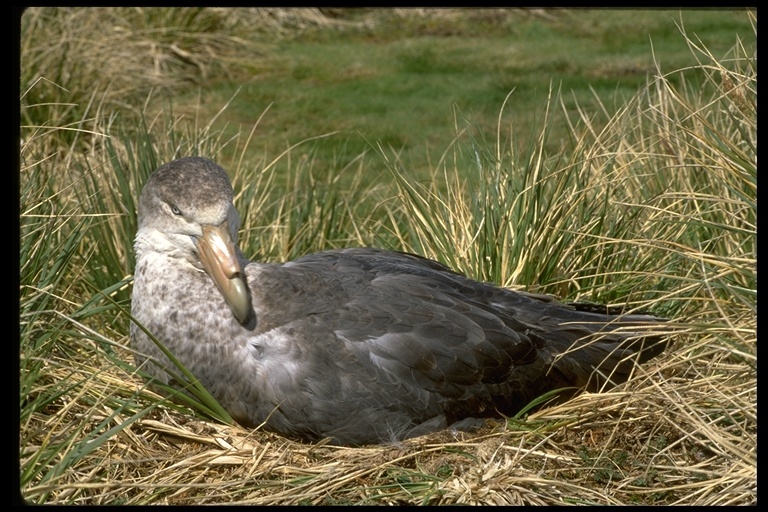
(359, 345)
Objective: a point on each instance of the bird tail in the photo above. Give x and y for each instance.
(608, 356)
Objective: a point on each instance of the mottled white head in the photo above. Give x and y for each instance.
(186, 209)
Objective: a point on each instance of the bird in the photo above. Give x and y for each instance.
(354, 346)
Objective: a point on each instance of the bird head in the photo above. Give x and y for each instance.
(186, 207)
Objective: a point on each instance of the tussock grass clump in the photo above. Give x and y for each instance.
(66, 54)
(655, 211)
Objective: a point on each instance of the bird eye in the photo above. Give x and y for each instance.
(175, 210)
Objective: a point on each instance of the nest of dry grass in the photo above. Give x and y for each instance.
(682, 431)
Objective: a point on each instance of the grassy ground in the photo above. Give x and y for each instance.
(637, 181)
(404, 79)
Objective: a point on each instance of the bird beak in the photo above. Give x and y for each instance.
(219, 258)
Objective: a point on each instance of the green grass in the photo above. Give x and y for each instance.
(634, 189)
(412, 89)
(405, 80)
